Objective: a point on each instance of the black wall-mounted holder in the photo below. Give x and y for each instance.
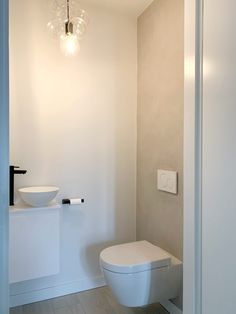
(73, 201)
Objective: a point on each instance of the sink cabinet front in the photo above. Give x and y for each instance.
(34, 244)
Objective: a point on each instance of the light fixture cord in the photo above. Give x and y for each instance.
(68, 10)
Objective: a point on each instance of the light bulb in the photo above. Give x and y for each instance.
(69, 44)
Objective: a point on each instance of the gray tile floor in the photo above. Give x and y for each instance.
(97, 301)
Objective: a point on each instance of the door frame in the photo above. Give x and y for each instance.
(192, 156)
(4, 157)
(193, 29)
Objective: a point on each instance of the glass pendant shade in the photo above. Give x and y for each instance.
(62, 12)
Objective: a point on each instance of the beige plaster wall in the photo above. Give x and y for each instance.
(160, 122)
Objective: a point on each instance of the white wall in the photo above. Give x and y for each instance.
(219, 151)
(73, 124)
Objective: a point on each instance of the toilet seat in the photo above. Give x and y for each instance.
(134, 257)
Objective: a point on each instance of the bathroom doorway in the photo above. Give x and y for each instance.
(4, 165)
(196, 273)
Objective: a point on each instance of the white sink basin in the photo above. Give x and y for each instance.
(38, 196)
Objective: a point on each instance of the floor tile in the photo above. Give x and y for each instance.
(97, 301)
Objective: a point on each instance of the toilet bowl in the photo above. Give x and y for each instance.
(140, 273)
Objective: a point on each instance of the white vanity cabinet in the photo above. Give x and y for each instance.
(34, 242)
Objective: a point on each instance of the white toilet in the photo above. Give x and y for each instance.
(141, 273)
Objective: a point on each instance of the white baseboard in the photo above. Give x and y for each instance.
(57, 291)
(170, 307)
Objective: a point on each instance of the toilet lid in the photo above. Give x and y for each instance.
(134, 257)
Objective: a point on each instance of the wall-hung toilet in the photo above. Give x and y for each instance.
(141, 273)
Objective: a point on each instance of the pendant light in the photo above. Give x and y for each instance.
(68, 25)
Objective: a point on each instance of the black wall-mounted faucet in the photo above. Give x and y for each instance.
(12, 173)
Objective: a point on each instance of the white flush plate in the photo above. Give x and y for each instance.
(167, 181)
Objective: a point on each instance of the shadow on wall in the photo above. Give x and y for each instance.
(90, 257)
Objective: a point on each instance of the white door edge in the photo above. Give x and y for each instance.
(192, 157)
(4, 157)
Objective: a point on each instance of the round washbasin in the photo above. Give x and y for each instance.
(38, 196)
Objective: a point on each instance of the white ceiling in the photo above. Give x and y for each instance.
(134, 7)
